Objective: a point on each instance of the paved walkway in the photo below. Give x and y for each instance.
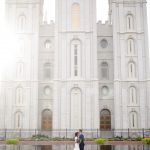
(72, 142)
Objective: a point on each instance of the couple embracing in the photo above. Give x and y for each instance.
(79, 140)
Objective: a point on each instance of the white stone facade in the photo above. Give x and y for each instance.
(76, 73)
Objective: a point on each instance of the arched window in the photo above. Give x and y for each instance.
(19, 95)
(131, 48)
(47, 71)
(76, 111)
(133, 95)
(20, 70)
(21, 23)
(133, 120)
(75, 16)
(75, 58)
(105, 120)
(104, 70)
(130, 22)
(132, 70)
(47, 44)
(46, 119)
(18, 120)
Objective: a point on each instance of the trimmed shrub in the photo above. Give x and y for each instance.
(12, 141)
(38, 136)
(100, 141)
(138, 138)
(147, 140)
(118, 138)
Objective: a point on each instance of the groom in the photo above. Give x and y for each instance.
(81, 140)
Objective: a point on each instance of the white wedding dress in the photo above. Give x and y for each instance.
(76, 144)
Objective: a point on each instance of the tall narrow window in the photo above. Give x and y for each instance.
(133, 120)
(104, 71)
(133, 95)
(47, 71)
(131, 48)
(75, 16)
(132, 70)
(19, 96)
(20, 70)
(76, 58)
(18, 120)
(21, 23)
(130, 22)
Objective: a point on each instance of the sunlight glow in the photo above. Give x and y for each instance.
(8, 45)
(8, 48)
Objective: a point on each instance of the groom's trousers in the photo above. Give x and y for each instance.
(81, 146)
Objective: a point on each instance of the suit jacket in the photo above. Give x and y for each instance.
(81, 138)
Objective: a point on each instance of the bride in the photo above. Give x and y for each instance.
(76, 141)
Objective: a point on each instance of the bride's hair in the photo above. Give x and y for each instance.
(76, 133)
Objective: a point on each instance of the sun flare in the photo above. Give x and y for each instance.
(8, 49)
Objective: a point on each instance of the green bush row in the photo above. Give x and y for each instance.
(100, 141)
(12, 141)
(147, 140)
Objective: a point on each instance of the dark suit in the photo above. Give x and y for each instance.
(81, 144)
